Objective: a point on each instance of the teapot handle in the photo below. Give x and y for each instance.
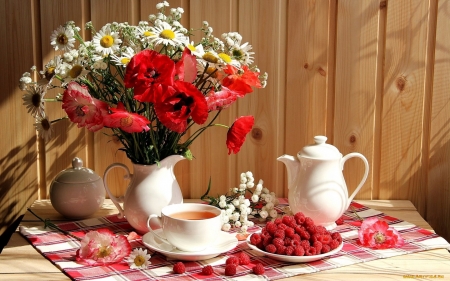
(366, 172)
(116, 200)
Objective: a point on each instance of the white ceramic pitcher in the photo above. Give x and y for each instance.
(316, 182)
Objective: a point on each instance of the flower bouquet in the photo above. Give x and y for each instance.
(150, 84)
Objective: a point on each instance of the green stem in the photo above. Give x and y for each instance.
(48, 223)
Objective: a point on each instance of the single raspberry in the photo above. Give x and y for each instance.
(258, 269)
(320, 229)
(290, 250)
(295, 243)
(271, 227)
(179, 268)
(296, 237)
(318, 246)
(278, 220)
(308, 222)
(230, 269)
(243, 258)
(271, 248)
(304, 234)
(289, 221)
(336, 236)
(278, 242)
(207, 270)
(311, 229)
(281, 250)
(299, 218)
(325, 239)
(279, 234)
(325, 249)
(340, 221)
(299, 251)
(311, 251)
(232, 260)
(289, 232)
(305, 244)
(282, 226)
(299, 215)
(255, 239)
(334, 244)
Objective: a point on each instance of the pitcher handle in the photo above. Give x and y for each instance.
(366, 173)
(153, 216)
(116, 200)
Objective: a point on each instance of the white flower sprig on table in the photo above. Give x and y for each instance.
(237, 208)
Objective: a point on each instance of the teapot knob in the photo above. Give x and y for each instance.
(77, 163)
(320, 139)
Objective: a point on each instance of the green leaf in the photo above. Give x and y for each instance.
(207, 191)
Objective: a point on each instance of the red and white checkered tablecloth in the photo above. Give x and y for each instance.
(60, 250)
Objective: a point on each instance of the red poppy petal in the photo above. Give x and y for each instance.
(237, 133)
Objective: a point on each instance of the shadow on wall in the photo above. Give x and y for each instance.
(17, 191)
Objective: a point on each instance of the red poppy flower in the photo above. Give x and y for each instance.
(378, 235)
(147, 69)
(241, 83)
(186, 67)
(237, 133)
(220, 100)
(179, 103)
(126, 121)
(82, 108)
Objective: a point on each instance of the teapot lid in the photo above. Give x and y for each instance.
(320, 149)
(77, 174)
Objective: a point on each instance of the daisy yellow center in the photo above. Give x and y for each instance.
(36, 99)
(75, 71)
(107, 41)
(125, 60)
(104, 251)
(45, 124)
(62, 39)
(209, 57)
(167, 34)
(49, 73)
(226, 58)
(148, 33)
(237, 54)
(212, 71)
(126, 122)
(139, 260)
(190, 47)
(379, 238)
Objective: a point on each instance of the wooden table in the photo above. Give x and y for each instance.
(20, 261)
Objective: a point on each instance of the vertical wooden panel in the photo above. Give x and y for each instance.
(263, 25)
(438, 196)
(68, 141)
(209, 150)
(309, 70)
(18, 180)
(356, 81)
(106, 147)
(405, 76)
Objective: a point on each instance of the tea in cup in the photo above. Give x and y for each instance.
(190, 227)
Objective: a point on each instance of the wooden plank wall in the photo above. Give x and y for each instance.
(370, 75)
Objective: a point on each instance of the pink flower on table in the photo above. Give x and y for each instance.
(102, 247)
(82, 108)
(377, 234)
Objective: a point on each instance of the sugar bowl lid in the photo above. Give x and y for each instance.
(320, 150)
(77, 174)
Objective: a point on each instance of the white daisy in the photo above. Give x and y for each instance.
(76, 69)
(106, 41)
(139, 259)
(125, 58)
(33, 99)
(62, 38)
(196, 50)
(242, 53)
(44, 127)
(144, 33)
(49, 69)
(165, 34)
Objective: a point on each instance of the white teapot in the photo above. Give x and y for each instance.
(316, 183)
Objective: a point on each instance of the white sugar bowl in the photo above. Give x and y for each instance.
(77, 192)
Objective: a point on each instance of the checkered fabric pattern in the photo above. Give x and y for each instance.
(60, 250)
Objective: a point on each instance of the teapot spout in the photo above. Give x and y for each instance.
(292, 167)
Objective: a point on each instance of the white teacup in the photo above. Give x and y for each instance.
(190, 227)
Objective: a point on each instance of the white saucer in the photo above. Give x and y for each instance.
(224, 243)
(296, 259)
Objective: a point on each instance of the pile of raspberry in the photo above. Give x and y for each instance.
(295, 236)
